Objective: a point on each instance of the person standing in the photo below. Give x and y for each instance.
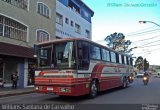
(14, 78)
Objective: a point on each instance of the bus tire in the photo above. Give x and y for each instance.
(124, 83)
(93, 89)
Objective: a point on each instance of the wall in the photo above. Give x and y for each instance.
(31, 19)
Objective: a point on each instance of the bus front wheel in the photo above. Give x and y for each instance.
(93, 89)
(124, 83)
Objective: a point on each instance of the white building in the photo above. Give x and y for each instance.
(73, 19)
(154, 68)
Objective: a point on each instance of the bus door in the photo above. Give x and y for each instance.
(83, 55)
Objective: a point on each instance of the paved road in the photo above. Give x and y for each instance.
(136, 93)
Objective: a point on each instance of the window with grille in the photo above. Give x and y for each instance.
(43, 10)
(42, 36)
(12, 29)
(23, 4)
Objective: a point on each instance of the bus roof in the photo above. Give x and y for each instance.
(76, 39)
(61, 40)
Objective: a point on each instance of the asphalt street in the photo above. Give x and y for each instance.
(136, 93)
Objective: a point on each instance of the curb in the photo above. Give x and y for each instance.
(17, 93)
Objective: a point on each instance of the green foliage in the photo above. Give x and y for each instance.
(139, 63)
(117, 42)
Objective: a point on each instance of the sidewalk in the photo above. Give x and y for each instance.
(8, 91)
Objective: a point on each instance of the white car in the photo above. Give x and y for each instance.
(157, 75)
(139, 75)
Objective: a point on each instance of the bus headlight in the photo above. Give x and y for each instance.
(36, 88)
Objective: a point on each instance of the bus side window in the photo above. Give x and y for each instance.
(83, 55)
(60, 55)
(125, 60)
(113, 57)
(128, 61)
(120, 59)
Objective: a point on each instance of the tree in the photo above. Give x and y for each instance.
(139, 63)
(117, 42)
(146, 64)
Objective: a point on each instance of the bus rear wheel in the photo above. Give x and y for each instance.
(93, 89)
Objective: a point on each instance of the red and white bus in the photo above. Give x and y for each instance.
(76, 66)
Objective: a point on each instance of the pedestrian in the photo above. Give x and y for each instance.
(14, 78)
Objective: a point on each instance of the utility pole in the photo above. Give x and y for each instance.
(144, 23)
(143, 64)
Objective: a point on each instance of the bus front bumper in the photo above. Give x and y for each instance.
(67, 90)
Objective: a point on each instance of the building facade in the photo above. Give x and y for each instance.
(154, 69)
(22, 24)
(73, 19)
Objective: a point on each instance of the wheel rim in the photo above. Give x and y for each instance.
(124, 83)
(94, 89)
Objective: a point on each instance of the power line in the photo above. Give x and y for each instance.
(140, 30)
(143, 33)
(147, 39)
(150, 46)
(150, 42)
(151, 51)
(138, 34)
(143, 53)
(155, 49)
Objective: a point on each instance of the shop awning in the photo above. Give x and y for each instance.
(15, 50)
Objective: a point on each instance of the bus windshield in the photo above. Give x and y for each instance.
(57, 55)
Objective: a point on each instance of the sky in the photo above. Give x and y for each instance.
(123, 16)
